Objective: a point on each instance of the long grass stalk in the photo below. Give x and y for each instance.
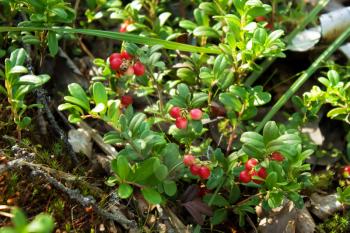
(305, 76)
(288, 39)
(120, 36)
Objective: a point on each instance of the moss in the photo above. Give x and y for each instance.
(336, 224)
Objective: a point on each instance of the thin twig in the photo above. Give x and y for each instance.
(41, 95)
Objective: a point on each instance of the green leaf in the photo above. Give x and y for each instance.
(61, 13)
(145, 169)
(52, 43)
(163, 17)
(230, 101)
(161, 172)
(19, 70)
(78, 92)
(217, 200)
(99, 93)
(219, 216)
(121, 167)
(183, 91)
(274, 36)
(275, 199)
(205, 31)
(151, 195)
(271, 180)
(270, 131)
(19, 219)
(260, 35)
(42, 223)
(124, 190)
(169, 187)
(337, 111)
(333, 76)
(198, 99)
(136, 121)
(78, 102)
(187, 75)
(187, 24)
(34, 79)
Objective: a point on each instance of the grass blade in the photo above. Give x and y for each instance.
(305, 76)
(120, 36)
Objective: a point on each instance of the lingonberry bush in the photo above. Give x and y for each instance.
(185, 120)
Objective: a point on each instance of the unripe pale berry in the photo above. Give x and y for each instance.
(346, 172)
(250, 164)
(175, 112)
(139, 69)
(196, 114)
(181, 123)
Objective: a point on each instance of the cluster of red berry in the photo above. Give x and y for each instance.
(196, 169)
(250, 171)
(181, 120)
(123, 63)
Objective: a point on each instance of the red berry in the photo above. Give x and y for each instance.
(126, 100)
(245, 177)
(139, 69)
(125, 55)
(261, 173)
(115, 63)
(114, 56)
(250, 164)
(277, 156)
(123, 28)
(194, 169)
(175, 112)
(189, 160)
(181, 123)
(346, 172)
(196, 114)
(204, 172)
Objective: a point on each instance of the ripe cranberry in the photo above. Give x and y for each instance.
(346, 172)
(126, 100)
(139, 69)
(114, 56)
(204, 172)
(277, 156)
(261, 173)
(115, 63)
(125, 55)
(245, 177)
(194, 169)
(175, 112)
(181, 123)
(250, 164)
(196, 114)
(189, 160)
